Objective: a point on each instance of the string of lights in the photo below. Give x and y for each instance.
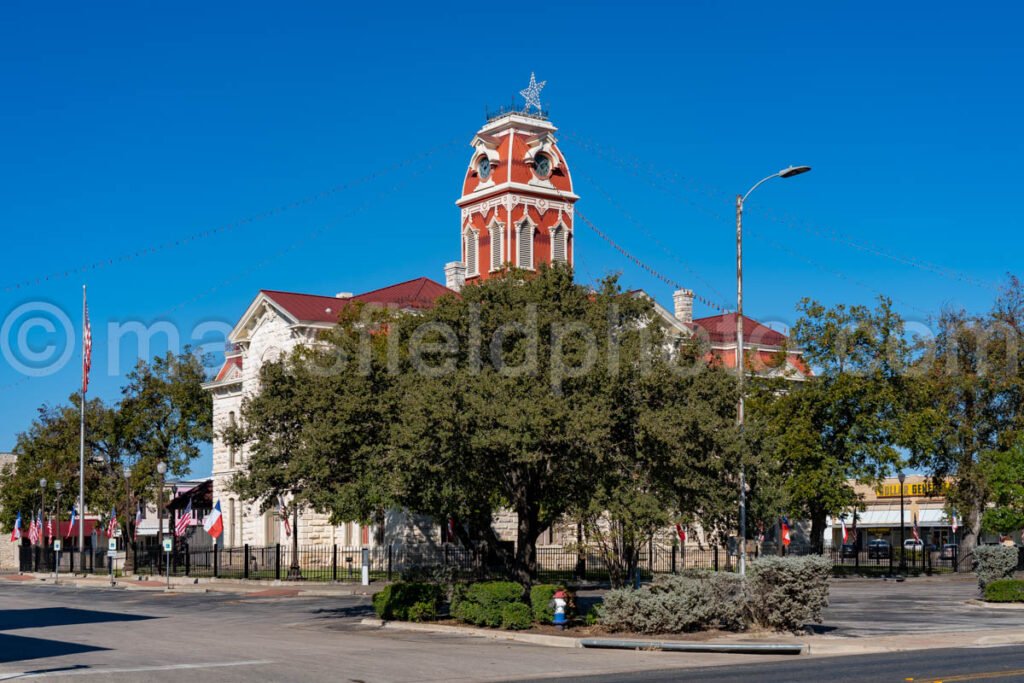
(642, 265)
(228, 227)
(642, 228)
(647, 171)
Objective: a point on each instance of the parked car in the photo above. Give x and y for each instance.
(949, 551)
(879, 549)
(848, 550)
(913, 544)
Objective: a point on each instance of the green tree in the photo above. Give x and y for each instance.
(1004, 475)
(842, 424)
(967, 392)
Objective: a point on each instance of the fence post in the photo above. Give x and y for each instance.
(216, 559)
(277, 562)
(389, 561)
(891, 553)
(334, 562)
(716, 558)
(188, 560)
(674, 549)
(245, 561)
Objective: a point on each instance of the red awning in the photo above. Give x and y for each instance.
(65, 531)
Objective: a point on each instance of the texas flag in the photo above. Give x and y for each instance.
(846, 534)
(16, 531)
(917, 531)
(214, 523)
(74, 518)
(681, 532)
(785, 532)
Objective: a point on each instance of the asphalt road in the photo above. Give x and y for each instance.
(66, 633)
(1005, 664)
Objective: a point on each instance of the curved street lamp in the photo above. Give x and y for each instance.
(788, 172)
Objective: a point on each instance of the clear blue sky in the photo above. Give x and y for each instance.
(126, 126)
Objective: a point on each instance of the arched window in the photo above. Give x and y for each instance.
(524, 244)
(495, 246)
(470, 243)
(232, 423)
(559, 250)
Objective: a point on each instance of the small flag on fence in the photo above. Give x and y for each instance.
(181, 526)
(16, 531)
(282, 512)
(112, 523)
(74, 518)
(681, 532)
(33, 531)
(786, 540)
(846, 534)
(214, 522)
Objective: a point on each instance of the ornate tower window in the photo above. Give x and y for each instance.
(524, 244)
(483, 167)
(542, 165)
(559, 247)
(470, 246)
(496, 246)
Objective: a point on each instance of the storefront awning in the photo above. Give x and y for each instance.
(890, 517)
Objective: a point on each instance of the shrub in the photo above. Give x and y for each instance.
(516, 616)
(407, 601)
(788, 592)
(994, 562)
(1005, 590)
(483, 603)
(676, 604)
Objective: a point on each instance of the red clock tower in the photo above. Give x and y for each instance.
(517, 199)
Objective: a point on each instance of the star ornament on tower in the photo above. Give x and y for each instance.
(532, 93)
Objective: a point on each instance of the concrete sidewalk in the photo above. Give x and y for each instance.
(201, 585)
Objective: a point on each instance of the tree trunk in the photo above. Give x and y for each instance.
(527, 531)
(972, 530)
(818, 530)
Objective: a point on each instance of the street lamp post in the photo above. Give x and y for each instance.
(740, 201)
(42, 535)
(57, 486)
(903, 558)
(127, 520)
(161, 468)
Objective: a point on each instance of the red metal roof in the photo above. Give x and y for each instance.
(722, 328)
(419, 293)
(231, 362)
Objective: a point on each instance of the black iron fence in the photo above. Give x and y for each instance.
(337, 563)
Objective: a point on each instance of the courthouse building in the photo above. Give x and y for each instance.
(516, 209)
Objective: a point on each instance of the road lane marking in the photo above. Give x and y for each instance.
(40, 673)
(981, 676)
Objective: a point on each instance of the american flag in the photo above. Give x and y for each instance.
(112, 523)
(49, 527)
(282, 511)
(181, 526)
(33, 531)
(86, 344)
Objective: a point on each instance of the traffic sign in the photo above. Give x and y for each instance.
(168, 544)
(56, 546)
(112, 545)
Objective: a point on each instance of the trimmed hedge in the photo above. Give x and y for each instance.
(994, 562)
(781, 593)
(408, 601)
(788, 592)
(1005, 590)
(516, 616)
(484, 603)
(540, 600)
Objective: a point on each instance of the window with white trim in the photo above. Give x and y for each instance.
(558, 244)
(495, 246)
(524, 245)
(471, 247)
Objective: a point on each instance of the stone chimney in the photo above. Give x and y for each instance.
(455, 275)
(683, 300)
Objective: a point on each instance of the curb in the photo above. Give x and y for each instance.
(683, 646)
(994, 605)
(595, 643)
(532, 638)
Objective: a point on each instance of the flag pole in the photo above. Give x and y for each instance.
(81, 443)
